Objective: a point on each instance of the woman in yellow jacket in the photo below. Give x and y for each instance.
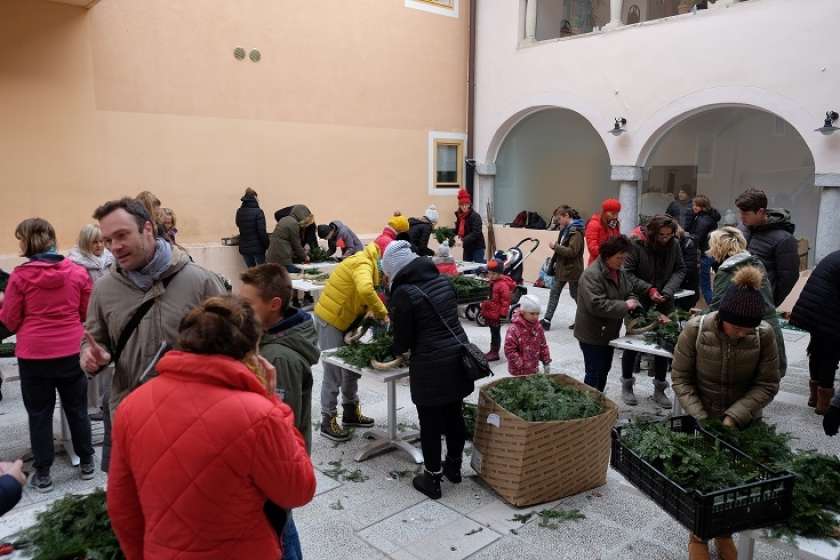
(350, 293)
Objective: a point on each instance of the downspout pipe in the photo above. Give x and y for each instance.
(470, 158)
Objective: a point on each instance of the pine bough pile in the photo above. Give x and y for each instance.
(360, 354)
(444, 235)
(696, 464)
(73, 527)
(317, 254)
(536, 398)
(664, 335)
(470, 288)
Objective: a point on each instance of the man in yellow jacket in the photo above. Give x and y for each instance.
(350, 293)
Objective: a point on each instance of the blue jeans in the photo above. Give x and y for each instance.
(291, 542)
(706, 263)
(597, 361)
(476, 256)
(254, 260)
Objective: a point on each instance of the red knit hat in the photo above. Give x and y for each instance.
(464, 197)
(611, 205)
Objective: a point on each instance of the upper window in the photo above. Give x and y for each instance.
(441, 7)
(446, 162)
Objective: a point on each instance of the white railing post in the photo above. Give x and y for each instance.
(615, 14)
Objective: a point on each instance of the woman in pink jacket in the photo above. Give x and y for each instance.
(45, 305)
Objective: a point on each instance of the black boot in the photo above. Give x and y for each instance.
(428, 483)
(452, 469)
(353, 417)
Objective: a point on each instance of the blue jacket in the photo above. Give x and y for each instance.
(10, 493)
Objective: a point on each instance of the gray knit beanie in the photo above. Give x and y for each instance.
(397, 256)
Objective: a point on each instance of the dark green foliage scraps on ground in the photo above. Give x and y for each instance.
(74, 527)
(470, 414)
(317, 254)
(444, 234)
(359, 354)
(550, 518)
(468, 287)
(338, 472)
(816, 492)
(536, 398)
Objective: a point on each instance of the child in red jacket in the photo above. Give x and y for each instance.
(444, 262)
(498, 306)
(525, 345)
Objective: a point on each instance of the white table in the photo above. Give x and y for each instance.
(637, 343)
(465, 267)
(382, 440)
(308, 287)
(327, 266)
(807, 549)
(683, 294)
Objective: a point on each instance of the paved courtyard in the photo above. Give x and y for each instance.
(370, 511)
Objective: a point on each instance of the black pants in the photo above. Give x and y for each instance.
(437, 421)
(823, 358)
(39, 380)
(597, 361)
(628, 365)
(495, 337)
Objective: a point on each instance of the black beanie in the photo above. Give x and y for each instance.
(743, 304)
(323, 231)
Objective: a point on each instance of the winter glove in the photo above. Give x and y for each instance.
(547, 370)
(831, 421)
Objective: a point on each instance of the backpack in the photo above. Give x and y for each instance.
(528, 220)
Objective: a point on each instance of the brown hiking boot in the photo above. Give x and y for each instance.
(353, 416)
(824, 396)
(697, 549)
(726, 548)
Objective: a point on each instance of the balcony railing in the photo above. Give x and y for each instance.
(556, 19)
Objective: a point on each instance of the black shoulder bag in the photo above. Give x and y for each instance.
(552, 264)
(134, 321)
(475, 364)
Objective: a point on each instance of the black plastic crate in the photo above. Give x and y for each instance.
(763, 503)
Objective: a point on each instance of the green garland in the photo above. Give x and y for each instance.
(317, 255)
(536, 398)
(695, 463)
(664, 335)
(444, 234)
(360, 354)
(467, 287)
(73, 527)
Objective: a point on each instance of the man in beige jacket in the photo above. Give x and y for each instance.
(147, 270)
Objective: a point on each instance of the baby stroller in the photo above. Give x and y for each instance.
(514, 259)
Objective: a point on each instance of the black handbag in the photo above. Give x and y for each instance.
(475, 364)
(552, 264)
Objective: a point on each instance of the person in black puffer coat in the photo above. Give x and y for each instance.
(818, 311)
(253, 237)
(703, 222)
(468, 229)
(769, 235)
(437, 379)
(420, 230)
(691, 258)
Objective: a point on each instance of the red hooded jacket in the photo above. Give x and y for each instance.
(596, 233)
(525, 346)
(46, 304)
(498, 305)
(197, 452)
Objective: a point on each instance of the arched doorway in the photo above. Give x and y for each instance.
(551, 157)
(722, 151)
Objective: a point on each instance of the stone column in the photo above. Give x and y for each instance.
(530, 21)
(486, 179)
(828, 225)
(628, 194)
(615, 14)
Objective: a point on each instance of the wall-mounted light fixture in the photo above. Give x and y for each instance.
(618, 129)
(828, 126)
(239, 53)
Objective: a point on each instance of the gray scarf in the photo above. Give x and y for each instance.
(146, 276)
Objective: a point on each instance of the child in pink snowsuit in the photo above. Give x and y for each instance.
(525, 345)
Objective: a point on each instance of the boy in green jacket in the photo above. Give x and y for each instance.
(290, 343)
(289, 339)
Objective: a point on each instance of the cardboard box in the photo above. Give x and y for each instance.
(529, 463)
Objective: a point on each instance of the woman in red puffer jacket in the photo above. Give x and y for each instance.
(602, 227)
(200, 449)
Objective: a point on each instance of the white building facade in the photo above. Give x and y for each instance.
(715, 100)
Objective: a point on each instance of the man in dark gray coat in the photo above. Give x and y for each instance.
(769, 234)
